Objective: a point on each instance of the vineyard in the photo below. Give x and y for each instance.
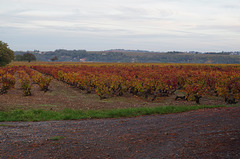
(148, 81)
(26, 76)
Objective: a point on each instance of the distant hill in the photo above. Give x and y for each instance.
(138, 56)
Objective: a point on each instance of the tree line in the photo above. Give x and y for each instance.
(137, 57)
(7, 55)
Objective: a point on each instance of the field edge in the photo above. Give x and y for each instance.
(70, 114)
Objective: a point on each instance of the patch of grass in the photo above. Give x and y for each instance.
(56, 138)
(6, 125)
(70, 114)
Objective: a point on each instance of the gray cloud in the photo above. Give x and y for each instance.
(140, 24)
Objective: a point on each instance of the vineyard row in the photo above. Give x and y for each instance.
(144, 81)
(150, 81)
(27, 77)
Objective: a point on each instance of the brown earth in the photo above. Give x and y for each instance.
(63, 96)
(206, 133)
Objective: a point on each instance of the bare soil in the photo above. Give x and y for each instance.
(206, 133)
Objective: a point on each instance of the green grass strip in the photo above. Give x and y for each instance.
(56, 138)
(69, 114)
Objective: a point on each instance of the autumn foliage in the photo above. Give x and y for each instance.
(26, 77)
(7, 79)
(150, 81)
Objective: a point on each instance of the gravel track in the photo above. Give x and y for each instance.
(206, 133)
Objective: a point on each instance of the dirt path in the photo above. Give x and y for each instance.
(208, 133)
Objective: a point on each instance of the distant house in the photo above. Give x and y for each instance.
(83, 60)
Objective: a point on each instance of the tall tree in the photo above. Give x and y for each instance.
(55, 58)
(6, 54)
(29, 57)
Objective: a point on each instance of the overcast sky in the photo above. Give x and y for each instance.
(156, 25)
